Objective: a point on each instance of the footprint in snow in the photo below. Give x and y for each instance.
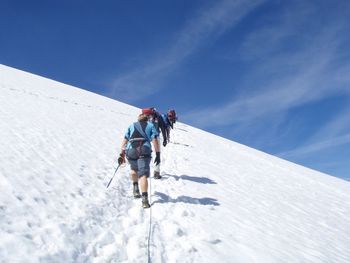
(174, 230)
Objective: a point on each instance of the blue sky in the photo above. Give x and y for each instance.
(273, 75)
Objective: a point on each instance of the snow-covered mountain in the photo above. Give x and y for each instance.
(218, 201)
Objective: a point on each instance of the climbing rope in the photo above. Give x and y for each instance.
(150, 223)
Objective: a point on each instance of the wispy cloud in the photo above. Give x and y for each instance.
(337, 126)
(206, 26)
(282, 79)
(313, 81)
(334, 133)
(289, 68)
(317, 146)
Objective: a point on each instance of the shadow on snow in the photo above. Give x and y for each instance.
(163, 198)
(202, 180)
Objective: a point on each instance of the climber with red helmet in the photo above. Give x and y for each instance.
(137, 148)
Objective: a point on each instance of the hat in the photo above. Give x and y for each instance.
(148, 111)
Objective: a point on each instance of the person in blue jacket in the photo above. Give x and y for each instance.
(137, 148)
(163, 123)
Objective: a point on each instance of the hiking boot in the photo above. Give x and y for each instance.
(145, 203)
(136, 192)
(157, 175)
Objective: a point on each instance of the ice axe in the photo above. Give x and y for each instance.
(113, 175)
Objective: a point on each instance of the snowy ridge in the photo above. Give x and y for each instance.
(218, 200)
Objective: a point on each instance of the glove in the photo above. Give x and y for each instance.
(164, 143)
(121, 158)
(157, 160)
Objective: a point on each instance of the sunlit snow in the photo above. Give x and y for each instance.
(218, 201)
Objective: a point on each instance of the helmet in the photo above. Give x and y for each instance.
(148, 111)
(172, 115)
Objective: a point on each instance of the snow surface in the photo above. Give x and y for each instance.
(218, 201)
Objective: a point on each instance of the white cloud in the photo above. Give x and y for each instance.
(333, 134)
(335, 127)
(311, 83)
(206, 26)
(281, 81)
(318, 146)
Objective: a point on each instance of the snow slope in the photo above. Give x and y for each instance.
(218, 201)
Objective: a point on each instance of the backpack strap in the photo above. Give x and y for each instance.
(138, 127)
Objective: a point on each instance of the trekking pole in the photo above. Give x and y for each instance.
(113, 175)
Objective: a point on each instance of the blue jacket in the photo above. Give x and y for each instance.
(132, 133)
(166, 121)
(162, 124)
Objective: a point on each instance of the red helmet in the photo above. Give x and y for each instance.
(148, 111)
